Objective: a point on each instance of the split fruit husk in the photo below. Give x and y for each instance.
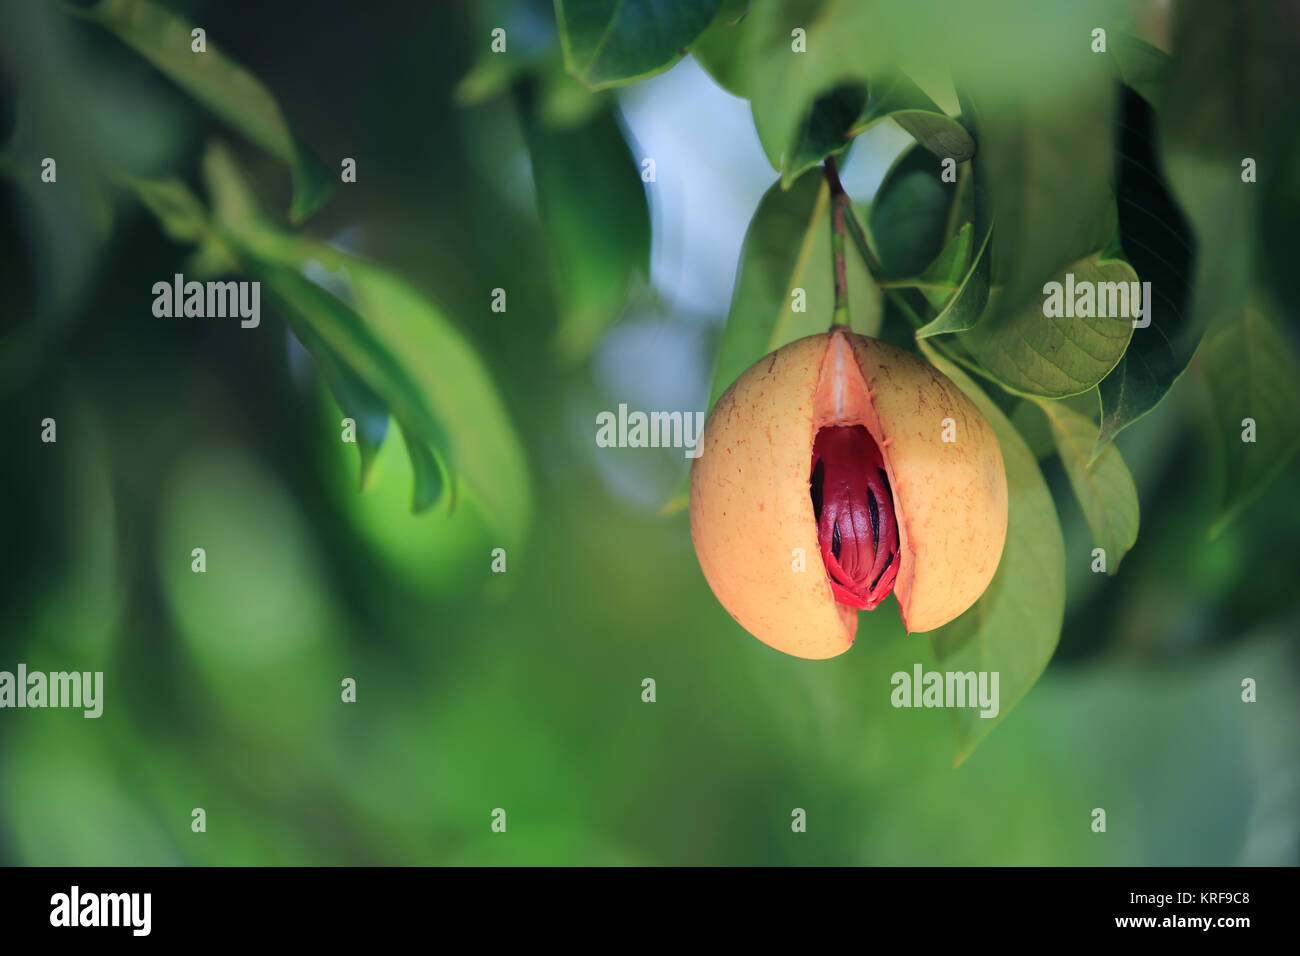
(755, 523)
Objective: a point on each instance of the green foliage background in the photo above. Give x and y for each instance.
(479, 171)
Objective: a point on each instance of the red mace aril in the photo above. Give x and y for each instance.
(826, 484)
(856, 526)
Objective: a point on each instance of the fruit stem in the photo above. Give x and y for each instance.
(839, 201)
(859, 237)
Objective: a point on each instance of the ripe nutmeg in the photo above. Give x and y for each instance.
(833, 447)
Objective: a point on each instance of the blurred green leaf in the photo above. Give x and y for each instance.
(1158, 243)
(593, 208)
(356, 400)
(788, 247)
(1141, 66)
(1055, 357)
(397, 344)
(1253, 373)
(180, 213)
(783, 84)
(894, 96)
(611, 42)
(1229, 97)
(824, 131)
(1231, 84)
(220, 84)
(1047, 170)
(532, 44)
(718, 49)
(429, 479)
(1102, 485)
(1014, 627)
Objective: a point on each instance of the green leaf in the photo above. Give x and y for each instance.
(825, 130)
(1230, 96)
(1033, 427)
(1158, 243)
(532, 45)
(788, 247)
(909, 217)
(221, 85)
(355, 398)
(1046, 168)
(611, 42)
(842, 47)
(894, 96)
(1253, 373)
(1014, 627)
(1141, 66)
(942, 276)
(397, 344)
(180, 213)
(718, 49)
(1054, 357)
(1231, 86)
(1102, 485)
(851, 108)
(429, 476)
(968, 302)
(594, 213)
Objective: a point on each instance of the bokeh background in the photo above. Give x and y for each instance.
(521, 690)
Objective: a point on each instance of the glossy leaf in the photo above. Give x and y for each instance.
(1253, 373)
(942, 276)
(967, 303)
(825, 130)
(909, 217)
(220, 84)
(1102, 484)
(610, 42)
(1014, 627)
(1158, 243)
(894, 96)
(1055, 357)
(596, 221)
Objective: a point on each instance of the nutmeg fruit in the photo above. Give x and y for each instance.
(838, 470)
